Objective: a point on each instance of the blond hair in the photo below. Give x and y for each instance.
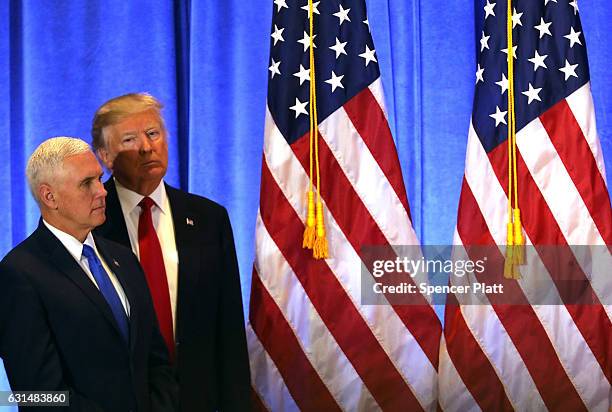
(48, 159)
(118, 108)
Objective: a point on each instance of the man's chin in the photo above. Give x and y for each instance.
(99, 216)
(153, 174)
(153, 171)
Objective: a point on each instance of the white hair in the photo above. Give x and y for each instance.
(48, 159)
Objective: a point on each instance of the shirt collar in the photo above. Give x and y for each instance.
(131, 199)
(72, 244)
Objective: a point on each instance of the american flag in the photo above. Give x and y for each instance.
(530, 356)
(312, 344)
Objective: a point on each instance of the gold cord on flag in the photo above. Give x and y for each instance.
(314, 233)
(515, 241)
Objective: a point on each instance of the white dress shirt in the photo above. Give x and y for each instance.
(164, 226)
(75, 248)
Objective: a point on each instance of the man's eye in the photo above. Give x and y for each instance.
(153, 134)
(128, 139)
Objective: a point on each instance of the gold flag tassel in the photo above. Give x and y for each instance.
(314, 233)
(509, 267)
(309, 231)
(519, 240)
(515, 241)
(321, 247)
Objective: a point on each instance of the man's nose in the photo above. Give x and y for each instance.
(100, 189)
(145, 144)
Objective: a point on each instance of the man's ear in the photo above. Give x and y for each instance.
(105, 157)
(47, 197)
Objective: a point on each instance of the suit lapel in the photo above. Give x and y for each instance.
(186, 232)
(63, 261)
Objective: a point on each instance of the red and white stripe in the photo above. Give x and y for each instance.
(530, 356)
(312, 344)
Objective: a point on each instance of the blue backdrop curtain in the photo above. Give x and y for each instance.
(207, 61)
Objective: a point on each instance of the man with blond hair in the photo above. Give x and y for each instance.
(186, 247)
(75, 313)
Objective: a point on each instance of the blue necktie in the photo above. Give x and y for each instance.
(107, 289)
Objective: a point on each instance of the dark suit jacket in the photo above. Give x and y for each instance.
(212, 361)
(58, 333)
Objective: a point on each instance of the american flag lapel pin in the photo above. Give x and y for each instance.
(188, 221)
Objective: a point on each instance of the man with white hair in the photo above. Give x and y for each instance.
(75, 312)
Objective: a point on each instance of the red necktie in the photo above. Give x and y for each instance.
(152, 261)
